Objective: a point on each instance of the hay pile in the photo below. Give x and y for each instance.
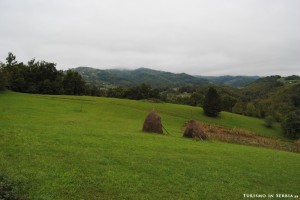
(152, 123)
(194, 130)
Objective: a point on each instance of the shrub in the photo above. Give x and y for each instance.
(269, 121)
(8, 190)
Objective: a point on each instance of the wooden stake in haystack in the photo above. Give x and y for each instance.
(153, 123)
(194, 130)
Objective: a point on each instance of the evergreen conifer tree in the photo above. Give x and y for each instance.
(212, 103)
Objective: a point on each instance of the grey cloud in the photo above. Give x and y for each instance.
(208, 37)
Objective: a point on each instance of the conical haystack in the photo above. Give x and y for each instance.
(194, 130)
(152, 123)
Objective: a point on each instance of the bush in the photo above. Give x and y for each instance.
(8, 190)
(269, 121)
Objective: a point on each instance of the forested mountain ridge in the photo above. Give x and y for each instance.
(232, 81)
(127, 78)
(155, 78)
(274, 95)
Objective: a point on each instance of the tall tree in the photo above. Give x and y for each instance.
(228, 102)
(10, 69)
(239, 107)
(73, 83)
(42, 77)
(212, 103)
(3, 77)
(251, 110)
(196, 99)
(11, 60)
(291, 125)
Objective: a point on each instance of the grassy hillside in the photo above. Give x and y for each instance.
(70, 147)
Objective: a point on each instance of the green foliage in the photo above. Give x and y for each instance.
(11, 60)
(262, 87)
(8, 189)
(281, 102)
(269, 121)
(93, 90)
(212, 103)
(196, 99)
(117, 92)
(291, 125)
(3, 77)
(73, 83)
(228, 102)
(194, 95)
(251, 110)
(43, 78)
(239, 107)
(39, 77)
(142, 91)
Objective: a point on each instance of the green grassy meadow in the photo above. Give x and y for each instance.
(70, 147)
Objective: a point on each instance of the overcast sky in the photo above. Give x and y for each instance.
(200, 37)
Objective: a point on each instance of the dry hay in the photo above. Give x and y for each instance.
(152, 123)
(194, 130)
(241, 136)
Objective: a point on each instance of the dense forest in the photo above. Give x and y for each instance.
(274, 98)
(41, 77)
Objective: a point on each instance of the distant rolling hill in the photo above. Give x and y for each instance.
(232, 81)
(127, 78)
(278, 95)
(155, 78)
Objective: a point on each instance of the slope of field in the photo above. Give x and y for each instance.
(67, 147)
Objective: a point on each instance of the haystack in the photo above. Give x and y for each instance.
(194, 130)
(152, 123)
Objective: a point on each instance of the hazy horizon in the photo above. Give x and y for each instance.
(132, 69)
(204, 37)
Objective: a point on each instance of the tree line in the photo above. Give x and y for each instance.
(41, 77)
